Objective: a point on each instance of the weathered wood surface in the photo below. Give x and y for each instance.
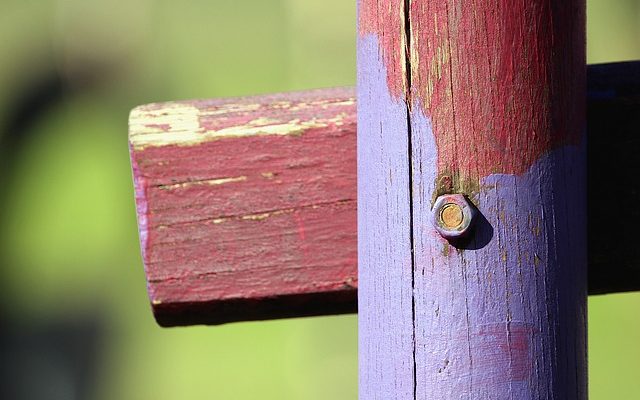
(485, 99)
(614, 260)
(246, 207)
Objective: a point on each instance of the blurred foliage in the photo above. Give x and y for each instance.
(70, 70)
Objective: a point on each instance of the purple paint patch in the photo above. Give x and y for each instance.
(509, 307)
(502, 317)
(142, 208)
(385, 322)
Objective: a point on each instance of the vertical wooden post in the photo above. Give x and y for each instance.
(484, 98)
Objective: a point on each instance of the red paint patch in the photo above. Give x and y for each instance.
(500, 347)
(502, 83)
(492, 354)
(375, 17)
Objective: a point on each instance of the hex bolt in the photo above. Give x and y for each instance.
(453, 216)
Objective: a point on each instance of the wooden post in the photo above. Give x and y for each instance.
(485, 99)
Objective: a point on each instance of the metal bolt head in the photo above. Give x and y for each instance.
(453, 216)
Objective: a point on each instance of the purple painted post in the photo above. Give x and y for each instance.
(483, 99)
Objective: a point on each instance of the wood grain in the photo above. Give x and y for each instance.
(484, 99)
(194, 296)
(246, 206)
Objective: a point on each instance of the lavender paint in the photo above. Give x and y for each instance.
(498, 318)
(385, 297)
(502, 316)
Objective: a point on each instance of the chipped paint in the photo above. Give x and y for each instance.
(260, 217)
(208, 182)
(253, 128)
(268, 214)
(192, 123)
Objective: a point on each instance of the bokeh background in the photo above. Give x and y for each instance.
(74, 317)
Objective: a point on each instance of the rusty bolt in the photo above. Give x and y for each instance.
(453, 216)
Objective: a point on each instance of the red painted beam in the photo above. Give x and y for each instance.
(247, 206)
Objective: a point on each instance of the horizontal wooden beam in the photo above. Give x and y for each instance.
(247, 206)
(613, 125)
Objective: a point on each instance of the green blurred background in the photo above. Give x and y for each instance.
(74, 316)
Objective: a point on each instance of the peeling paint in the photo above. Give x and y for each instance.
(191, 123)
(209, 182)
